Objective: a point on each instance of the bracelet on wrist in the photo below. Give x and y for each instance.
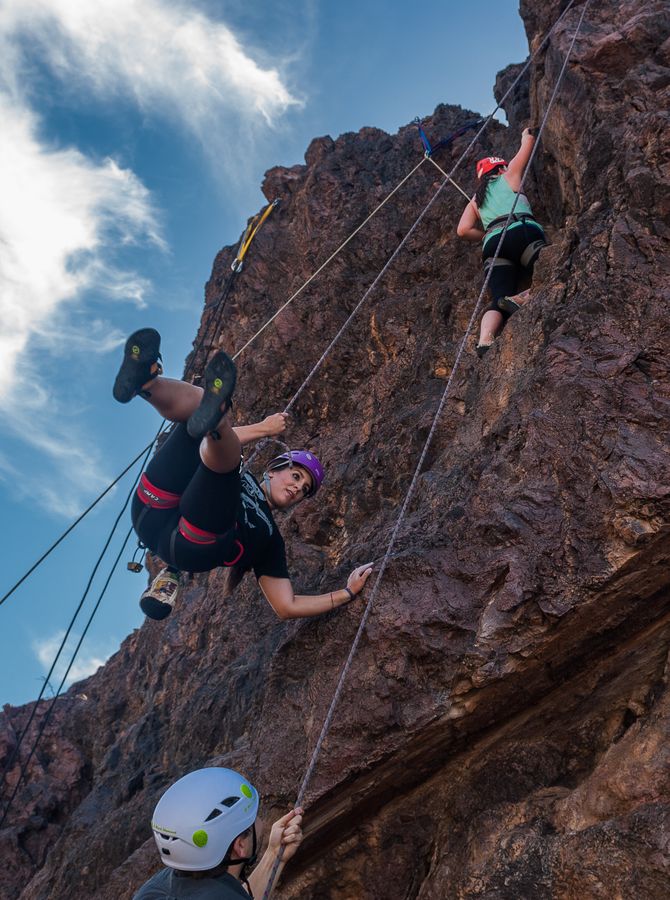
(350, 592)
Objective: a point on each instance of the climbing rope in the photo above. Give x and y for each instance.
(244, 245)
(15, 752)
(47, 715)
(448, 177)
(328, 261)
(73, 525)
(410, 492)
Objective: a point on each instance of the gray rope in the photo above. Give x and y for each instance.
(329, 260)
(368, 607)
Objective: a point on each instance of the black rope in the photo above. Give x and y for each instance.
(10, 762)
(47, 716)
(75, 523)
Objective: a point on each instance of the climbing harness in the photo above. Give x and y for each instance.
(410, 492)
(251, 231)
(532, 250)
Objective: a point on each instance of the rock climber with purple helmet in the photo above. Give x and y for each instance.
(196, 508)
(484, 219)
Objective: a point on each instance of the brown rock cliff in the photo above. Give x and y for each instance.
(504, 729)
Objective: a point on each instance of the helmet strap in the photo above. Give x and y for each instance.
(266, 489)
(247, 861)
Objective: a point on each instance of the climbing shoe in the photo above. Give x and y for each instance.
(160, 597)
(481, 349)
(141, 363)
(509, 305)
(220, 378)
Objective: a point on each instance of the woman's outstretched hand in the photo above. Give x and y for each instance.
(356, 581)
(275, 424)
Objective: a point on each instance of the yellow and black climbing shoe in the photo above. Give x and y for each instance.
(141, 363)
(220, 378)
(158, 601)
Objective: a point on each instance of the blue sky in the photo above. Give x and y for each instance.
(134, 140)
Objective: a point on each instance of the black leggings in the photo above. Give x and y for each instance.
(504, 281)
(207, 501)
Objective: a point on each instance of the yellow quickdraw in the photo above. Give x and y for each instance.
(251, 231)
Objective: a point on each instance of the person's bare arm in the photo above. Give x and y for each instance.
(270, 427)
(514, 172)
(287, 833)
(279, 594)
(470, 225)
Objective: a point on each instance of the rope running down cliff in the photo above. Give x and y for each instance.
(368, 607)
(298, 392)
(448, 179)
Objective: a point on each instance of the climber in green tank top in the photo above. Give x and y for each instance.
(484, 220)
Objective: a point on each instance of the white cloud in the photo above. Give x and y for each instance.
(86, 664)
(60, 212)
(166, 55)
(64, 216)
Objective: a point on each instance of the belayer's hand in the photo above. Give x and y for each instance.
(357, 579)
(275, 424)
(287, 832)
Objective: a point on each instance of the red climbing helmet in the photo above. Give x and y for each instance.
(301, 458)
(488, 163)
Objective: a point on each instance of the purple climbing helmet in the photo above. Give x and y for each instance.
(301, 458)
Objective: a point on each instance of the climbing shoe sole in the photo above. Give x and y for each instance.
(141, 353)
(220, 379)
(155, 609)
(509, 305)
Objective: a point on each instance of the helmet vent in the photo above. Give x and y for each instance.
(214, 813)
(229, 801)
(166, 852)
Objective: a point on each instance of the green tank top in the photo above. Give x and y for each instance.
(498, 202)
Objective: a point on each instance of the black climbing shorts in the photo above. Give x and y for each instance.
(185, 513)
(505, 279)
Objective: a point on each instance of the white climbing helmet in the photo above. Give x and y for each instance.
(198, 817)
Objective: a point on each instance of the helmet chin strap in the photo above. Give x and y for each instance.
(266, 490)
(246, 861)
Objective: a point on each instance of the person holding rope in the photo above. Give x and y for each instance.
(204, 826)
(195, 508)
(484, 218)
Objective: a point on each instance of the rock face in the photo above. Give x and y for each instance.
(503, 732)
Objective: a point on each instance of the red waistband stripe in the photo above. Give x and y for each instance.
(154, 496)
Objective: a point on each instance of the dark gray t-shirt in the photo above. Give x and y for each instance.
(168, 885)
